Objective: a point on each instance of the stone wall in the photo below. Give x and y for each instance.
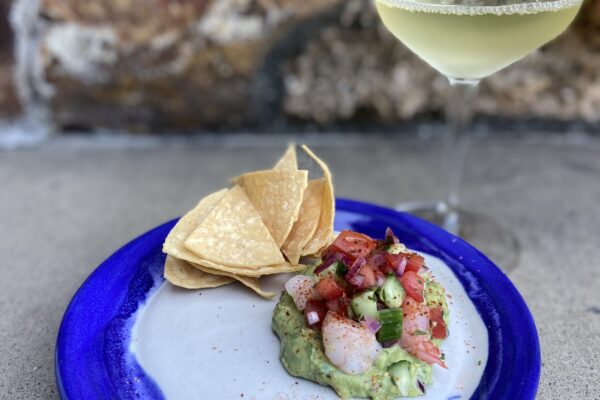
(9, 104)
(203, 64)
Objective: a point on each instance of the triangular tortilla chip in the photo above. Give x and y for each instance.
(252, 272)
(251, 283)
(187, 224)
(277, 196)
(308, 220)
(182, 253)
(324, 231)
(183, 274)
(234, 234)
(288, 161)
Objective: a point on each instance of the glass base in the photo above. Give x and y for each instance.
(495, 241)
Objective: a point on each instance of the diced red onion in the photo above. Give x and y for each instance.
(329, 260)
(397, 263)
(356, 266)
(380, 281)
(399, 269)
(390, 237)
(371, 324)
(377, 259)
(352, 276)
(357, 280)
(324, 265)
(312, 317)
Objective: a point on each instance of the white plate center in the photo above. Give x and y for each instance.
(218, 344)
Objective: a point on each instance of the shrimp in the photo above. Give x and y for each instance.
(349, 345)
(416, 338)
(300, 287)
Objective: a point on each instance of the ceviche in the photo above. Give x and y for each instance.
(367, 319)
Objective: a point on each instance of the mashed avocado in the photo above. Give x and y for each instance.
(302, 355)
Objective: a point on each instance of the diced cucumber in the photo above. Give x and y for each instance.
(392, 293)
(388, 333)
(365, 304)
(404, 376)
(391, 325)
(332, 272)
(391, 316)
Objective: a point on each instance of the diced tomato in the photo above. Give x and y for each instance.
(329, 289)
(318, 307)
(415, 262)
(339, 305)
(437, 322)
(369, 276)
(439, 331)
(414, 285)
(395, 262)
(370, 271)
(378, 261)
(353, 244)
(344, 303)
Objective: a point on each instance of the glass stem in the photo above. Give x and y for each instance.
(459, 115)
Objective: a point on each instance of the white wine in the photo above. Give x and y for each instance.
(471, 42)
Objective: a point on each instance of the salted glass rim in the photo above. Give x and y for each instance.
(472, 7)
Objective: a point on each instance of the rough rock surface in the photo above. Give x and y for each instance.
(188, 64)
(151, 64)
(9, 104)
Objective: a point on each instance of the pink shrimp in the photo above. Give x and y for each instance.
(349, 346)
(416, 337)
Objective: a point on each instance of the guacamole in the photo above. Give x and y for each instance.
(302, 355)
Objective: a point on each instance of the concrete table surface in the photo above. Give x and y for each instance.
(67, 205)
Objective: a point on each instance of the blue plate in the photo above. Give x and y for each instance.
(93, 359)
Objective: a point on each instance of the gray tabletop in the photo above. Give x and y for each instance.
(66, 206)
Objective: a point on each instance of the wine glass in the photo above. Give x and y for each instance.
(467, 40)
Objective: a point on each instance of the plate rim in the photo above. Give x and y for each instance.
(142, 246)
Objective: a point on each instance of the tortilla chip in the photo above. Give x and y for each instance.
(188, 223)
(289, 161)
(308, 220)
(252, 272)
(251, 283)
(234, 234)
(185, 254)
(324, 230)
(174, 245)
(277, 196)
(183, 274)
